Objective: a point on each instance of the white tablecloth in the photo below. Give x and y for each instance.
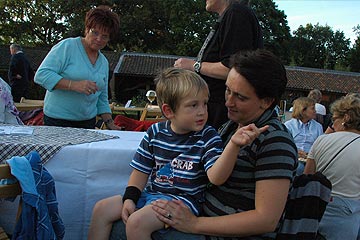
(84, 174)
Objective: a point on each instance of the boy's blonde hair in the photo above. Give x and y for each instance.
(174, 84)
(299, 105)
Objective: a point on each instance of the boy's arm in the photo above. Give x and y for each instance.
(138, 180)
(224, 165)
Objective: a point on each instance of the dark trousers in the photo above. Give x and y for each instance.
(17, 93)
(88, 124)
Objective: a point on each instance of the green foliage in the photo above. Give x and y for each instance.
(176, 27)
(162, 26)
(275, 28)
(354, 56)
(319, 47)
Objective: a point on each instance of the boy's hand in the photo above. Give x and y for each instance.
(247, 134)
(128, 209)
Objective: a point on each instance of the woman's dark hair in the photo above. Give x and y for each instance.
(104, 18)
(264, 71)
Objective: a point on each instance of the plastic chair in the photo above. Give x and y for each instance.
(151, 113)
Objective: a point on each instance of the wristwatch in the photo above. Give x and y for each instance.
(197, 66)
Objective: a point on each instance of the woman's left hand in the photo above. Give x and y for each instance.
(113, 126)
(175, 214)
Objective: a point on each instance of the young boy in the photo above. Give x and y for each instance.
(181, 155)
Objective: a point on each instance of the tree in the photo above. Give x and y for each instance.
(41, 22)
(319, 47)
(157, 26)
(163, 26)
(275, 28)
(354, 56)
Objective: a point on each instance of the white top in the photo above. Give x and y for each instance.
(343, 171)
(320, 109)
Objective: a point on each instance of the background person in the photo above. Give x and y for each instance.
(341, 219)
(251, 201)
(317, 96)
(179, 155)
(304, 129)
(20, 73)
(8, 112)
(75, 75)
(237, 28)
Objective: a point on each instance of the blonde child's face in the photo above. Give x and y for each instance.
(191, 114)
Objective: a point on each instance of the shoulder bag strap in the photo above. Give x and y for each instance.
(339, 152)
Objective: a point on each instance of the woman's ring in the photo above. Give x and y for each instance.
(168, 216)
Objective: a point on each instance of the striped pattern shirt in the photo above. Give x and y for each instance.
(273, 155)
(177, 164)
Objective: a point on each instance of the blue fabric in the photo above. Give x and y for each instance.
(147, 198)
(39, 217)
(341, 219)
(21, 169)
(304, 134)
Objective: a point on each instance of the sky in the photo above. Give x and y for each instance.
(340, 15)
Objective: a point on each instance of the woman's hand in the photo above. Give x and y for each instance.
(175, 214)
(185, 63)
(302, 154)
(85, 86)
(113, 126)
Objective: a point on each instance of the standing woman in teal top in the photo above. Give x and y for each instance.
(75, 74)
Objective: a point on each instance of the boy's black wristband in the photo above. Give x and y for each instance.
(132, 193)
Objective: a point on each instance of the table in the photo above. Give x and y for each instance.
(27, 106)
(153, 110)
(126, 111)
(84, 174)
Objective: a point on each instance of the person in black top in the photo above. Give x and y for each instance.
(20, 73)
(236, 29)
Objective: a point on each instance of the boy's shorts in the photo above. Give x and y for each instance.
(147, 198)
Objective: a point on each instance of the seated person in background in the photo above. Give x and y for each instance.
(330, 128)
(336, 156)
(8, 112)
(319, 108)
(317, 96)
(304, 129)
(179, 155)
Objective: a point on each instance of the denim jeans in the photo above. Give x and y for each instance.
(341, 220)
(300, 168)
(118, 232)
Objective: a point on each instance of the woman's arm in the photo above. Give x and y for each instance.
(107, 119)
(310, 167)
(210, 69)
(215, 70)
(270, 200)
